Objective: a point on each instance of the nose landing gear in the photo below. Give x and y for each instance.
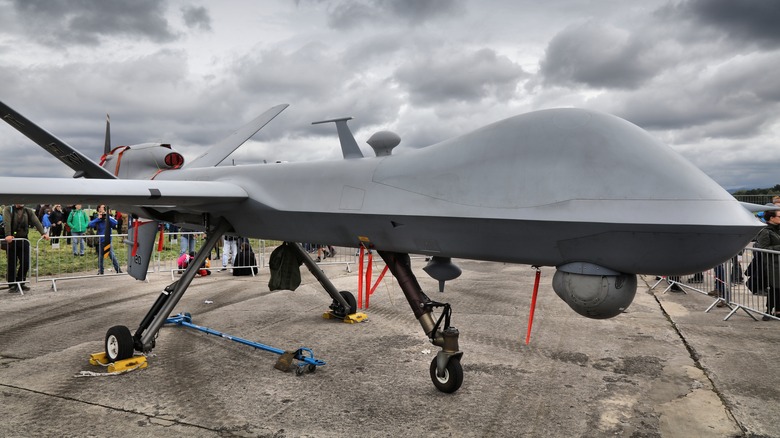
(446, 370)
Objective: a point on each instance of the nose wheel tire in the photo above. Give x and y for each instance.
(453, 376)
(118, 343)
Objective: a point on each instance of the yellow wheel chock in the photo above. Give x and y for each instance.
(135, 362)
(349, 319)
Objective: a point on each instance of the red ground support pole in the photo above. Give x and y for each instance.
(161, 242)
(360, 278)
(378, 280)
(368, 275)
(533, 306)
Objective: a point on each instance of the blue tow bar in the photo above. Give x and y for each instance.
(303, 354)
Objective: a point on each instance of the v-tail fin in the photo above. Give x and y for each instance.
(53, 145)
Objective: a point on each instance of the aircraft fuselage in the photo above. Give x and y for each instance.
(545, 188)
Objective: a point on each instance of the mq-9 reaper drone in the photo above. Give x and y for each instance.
(588, 193)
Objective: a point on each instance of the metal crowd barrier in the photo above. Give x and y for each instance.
(336, 255)
(215, 262)
(729, 283)
(257, 246)
(738, 284)
(55, 260)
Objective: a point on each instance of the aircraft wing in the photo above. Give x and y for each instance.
(217, 153)
(126, 192)
(61, 150)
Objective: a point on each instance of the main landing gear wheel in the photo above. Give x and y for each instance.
(453, 376)
(119, 343)
(339, 310)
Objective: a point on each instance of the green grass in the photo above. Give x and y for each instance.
(53, 262)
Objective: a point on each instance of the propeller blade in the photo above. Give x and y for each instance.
(107, 147)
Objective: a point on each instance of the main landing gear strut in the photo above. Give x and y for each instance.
(344, 303)
(446, 370)
(120, 344)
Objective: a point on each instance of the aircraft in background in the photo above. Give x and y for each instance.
(588, 193)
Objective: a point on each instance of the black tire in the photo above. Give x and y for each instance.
(119, 343)
(453, 376)
(351, 301)
(338, 309)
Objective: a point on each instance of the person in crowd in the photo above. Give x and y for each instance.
(187, 239)
(675, 280)
(172, 231)
(229, 250)
(99, 224)
(697, 278)
(246, 262)
(78, 221)
(46, 222)
(736, 269)
(204, 268)
(217, 247)
(17, 220)
(769, 238)
(56, 217)
(325, 251)
(721, 286)
(185, 260)
(120, 222)
(40, 210)
(65, 227)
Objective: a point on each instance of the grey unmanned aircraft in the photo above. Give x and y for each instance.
(588, 193)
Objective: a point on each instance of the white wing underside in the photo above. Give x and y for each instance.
(126, 192)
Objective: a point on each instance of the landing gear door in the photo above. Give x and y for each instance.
(140, 242)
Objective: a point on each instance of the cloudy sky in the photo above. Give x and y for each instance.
(701, 75)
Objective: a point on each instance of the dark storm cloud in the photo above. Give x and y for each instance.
(149, 97)
(701, 79)
(419, 11)
(452, 76)
(196, 17)
(291, 74)
(333, 89)
(739, 98)
(746, 20)
(87, 22)
(598, 56)
(378, 13)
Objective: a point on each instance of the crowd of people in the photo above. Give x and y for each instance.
(82, 229)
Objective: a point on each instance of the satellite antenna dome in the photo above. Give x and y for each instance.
(383, 142)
